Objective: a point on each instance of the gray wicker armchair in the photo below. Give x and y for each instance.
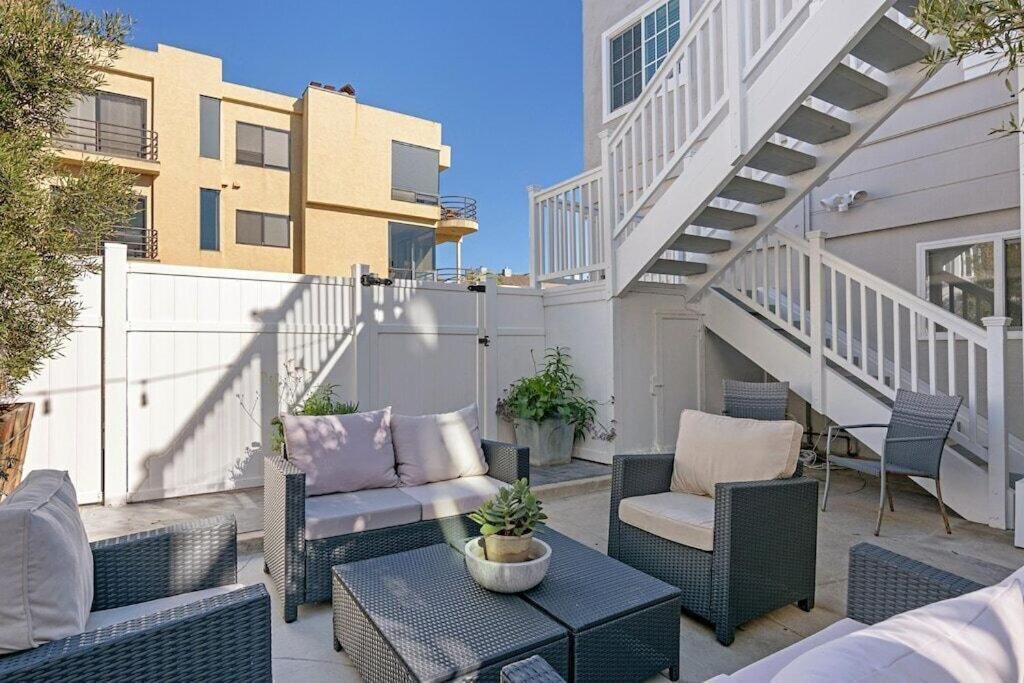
(222, 638)
(755, 400)
(300, 569)
(914, 440)
(765, 544)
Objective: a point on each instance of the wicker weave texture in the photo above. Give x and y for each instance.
(162, 562)
(398, 617)
(883, 584)
(755, 400)
(532, 670)
(284, 523)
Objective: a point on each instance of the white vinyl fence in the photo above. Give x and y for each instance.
(172, 374)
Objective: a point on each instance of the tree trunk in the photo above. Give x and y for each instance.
(15, 422)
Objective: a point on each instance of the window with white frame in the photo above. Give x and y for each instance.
(973, 277)
(636, 51)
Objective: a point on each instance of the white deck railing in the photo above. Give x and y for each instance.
(566, 238)
(879, 334)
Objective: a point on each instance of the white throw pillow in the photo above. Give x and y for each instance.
(342, 453)
(974, 637)
(431, 448)
(715, 449)
(46, 572)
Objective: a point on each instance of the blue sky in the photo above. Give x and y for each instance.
(503, 79)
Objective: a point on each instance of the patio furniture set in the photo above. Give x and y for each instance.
(370, 511)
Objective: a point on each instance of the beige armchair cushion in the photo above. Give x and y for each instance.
(431, 448)
(715, 449)
(46, 571)
(682, 518)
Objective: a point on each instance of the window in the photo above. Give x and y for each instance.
(209, 127)
(973, 278)
(209, 220)
(636, 51)
(259, 146)
(415, 173)
(262, 229)
(410, 251)
(109, 123)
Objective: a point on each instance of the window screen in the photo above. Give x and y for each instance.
(275, 148)
(961, 279)
(410, 250)
(414, 173)
(209, 219)
(209, 127)
(661, 31)
(249, 144)
(637, 52)
(275, 230)
(627, 66)
(261, 229)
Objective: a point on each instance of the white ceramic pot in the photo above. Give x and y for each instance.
(507, 577)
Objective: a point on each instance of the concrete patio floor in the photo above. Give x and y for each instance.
(303, 651)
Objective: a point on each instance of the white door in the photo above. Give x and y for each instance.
(676, 383)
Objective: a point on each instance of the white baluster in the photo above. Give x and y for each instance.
(998, 466)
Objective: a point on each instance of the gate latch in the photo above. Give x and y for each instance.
(485, 340)
(477, 288)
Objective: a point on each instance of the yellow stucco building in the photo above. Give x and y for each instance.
(234, 177)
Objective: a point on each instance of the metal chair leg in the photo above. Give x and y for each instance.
(881, 502)
(888, 492)
(828, 469)
(942, 506)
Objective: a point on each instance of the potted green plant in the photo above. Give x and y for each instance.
(548, 411)
(507, 522)
(321, 401)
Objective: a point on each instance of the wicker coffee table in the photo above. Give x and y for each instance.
(419, 616)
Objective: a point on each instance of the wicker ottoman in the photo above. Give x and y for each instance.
(419, 616)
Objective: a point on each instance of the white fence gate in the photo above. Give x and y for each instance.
(187, 380)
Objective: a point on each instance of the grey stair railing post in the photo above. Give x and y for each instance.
(817, 318)
(1000, 513)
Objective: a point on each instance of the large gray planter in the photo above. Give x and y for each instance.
(550, 441)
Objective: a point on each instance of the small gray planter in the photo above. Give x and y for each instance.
(550, 441)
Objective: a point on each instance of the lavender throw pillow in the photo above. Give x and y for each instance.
(342, 453)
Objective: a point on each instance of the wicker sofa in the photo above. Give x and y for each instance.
(764, 549)
(882, 584)
(300, 566)
(220, 633)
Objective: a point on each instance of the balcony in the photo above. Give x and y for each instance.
(109, 139)
(458, 218)
(141, 242)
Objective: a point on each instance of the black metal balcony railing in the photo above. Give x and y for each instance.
(108, 138)
(141, 242)
(455, 207)
(448, 275)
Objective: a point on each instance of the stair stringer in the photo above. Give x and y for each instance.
(965, 482)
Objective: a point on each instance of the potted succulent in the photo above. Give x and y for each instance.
(547, 410)
(507, 558)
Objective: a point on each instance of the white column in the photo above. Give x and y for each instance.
(535, 257)
(735, 57)
(487, 355)
(458, 258)
(1000, 514)
(606, 212)
(817, 319)
(364, 326)
(115, 374)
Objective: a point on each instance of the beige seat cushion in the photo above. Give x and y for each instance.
(431, 448)
(714, 449)
(342, 453)
(455, 496)
(682, 518)
(978, 636)
(46, 571)
(337, 514)
(117, 615)
(763, 669)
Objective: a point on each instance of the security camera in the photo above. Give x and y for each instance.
(843, 202)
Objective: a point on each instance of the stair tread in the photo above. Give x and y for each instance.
(814, 127)
(906, 7)
(666, 266)
(888, 46)
(850, 89)
(701, 244)
(781, 160)
(750, 191)
(724, 219)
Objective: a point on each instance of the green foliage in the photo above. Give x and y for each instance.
(321, 401)
(977, 27)
(553, 392)
(515, 511)
(51, 221)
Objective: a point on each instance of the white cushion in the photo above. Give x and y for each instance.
(431, 448)
(715, 449)
(117, 615)
(341, 453)
(454, 497)
(678, 517)
(337, 514)
(46, 572)
(763, 669)
(974, 637)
